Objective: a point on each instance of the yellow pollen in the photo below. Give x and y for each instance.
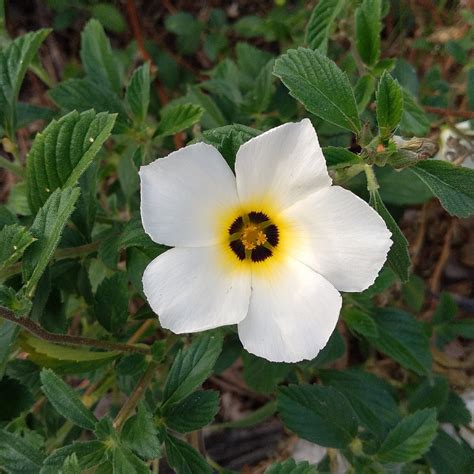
(252, 236)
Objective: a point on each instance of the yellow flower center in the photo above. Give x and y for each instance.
(253, 237)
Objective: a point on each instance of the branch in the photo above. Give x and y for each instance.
(450, 112)
(37, 330)
(136, 395)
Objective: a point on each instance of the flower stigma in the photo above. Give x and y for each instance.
(253, 237)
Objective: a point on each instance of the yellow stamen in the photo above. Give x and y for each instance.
(251, 236)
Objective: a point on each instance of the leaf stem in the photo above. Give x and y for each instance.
(136, 395)
(11, 166)
(59, 254)
(34, 328)
(372, 184)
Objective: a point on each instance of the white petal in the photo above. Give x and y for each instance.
(184, 195)
(192, 290)
(292, 313)
(340, 236)
(281, 166)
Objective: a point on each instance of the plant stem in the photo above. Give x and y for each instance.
(14, 168)
(372, 184)
(37, 330)
(136, 395)
(59, 254)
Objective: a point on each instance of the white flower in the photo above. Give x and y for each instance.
(267, 249)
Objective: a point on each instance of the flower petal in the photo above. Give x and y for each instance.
(340, 236)
(281, 166)
(292, 313)
(184, 194)
(191, 290)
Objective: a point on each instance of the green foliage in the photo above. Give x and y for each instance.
(452, 185)
(191, 367)
(176, 118)
(138, 92)
(14, 61)
(320, 23)
(15, 239)
(291, 467)
(389, 105)
(61, 154)
(47, 229)
(321, 415)
(184, 458)
(398, 256)
(411, 438)
(66, 401)
(97, 57)
(320, 86)
(194, 412)
(18, 455)
(368, 26)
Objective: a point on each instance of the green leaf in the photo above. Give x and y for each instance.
(319, 414)
(452, 185)
(71, 465)
(111, 302)
(320, 23)
(188, 30)
(333, 350)
(64, 359)
(371, 398)
(445, 310)
(448, 456)
(184, 458)
(398, 256)
(258, 98)
(138, 92)
(89, 455)
(431, 393)
(109, 16)
(360, 322)
(319, 84)
(290, 466)
(84, 94)
(14, 62)
(97, 57)
(228, 139)
(413, 292)
(250, 61)
(368, 27)
(63, 151)
(213, 116)
(176, 118)
(191, 367)
(8, 334)
(411, 438)
(193, 413)
(47, 229)
(262, 375)
(140, 435)
(389, 102)
(338, 157)
(414, 119)
(66, 401)
(363, 91)
(402, 338)
(15, 239)
(18, 456)
(16, 302)
(454, 411)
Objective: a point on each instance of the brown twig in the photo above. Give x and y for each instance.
(136, 395)
(420, 236)
(137, 33)
(38, 331)
(436, 277)
(450, 112)
(139, 332)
